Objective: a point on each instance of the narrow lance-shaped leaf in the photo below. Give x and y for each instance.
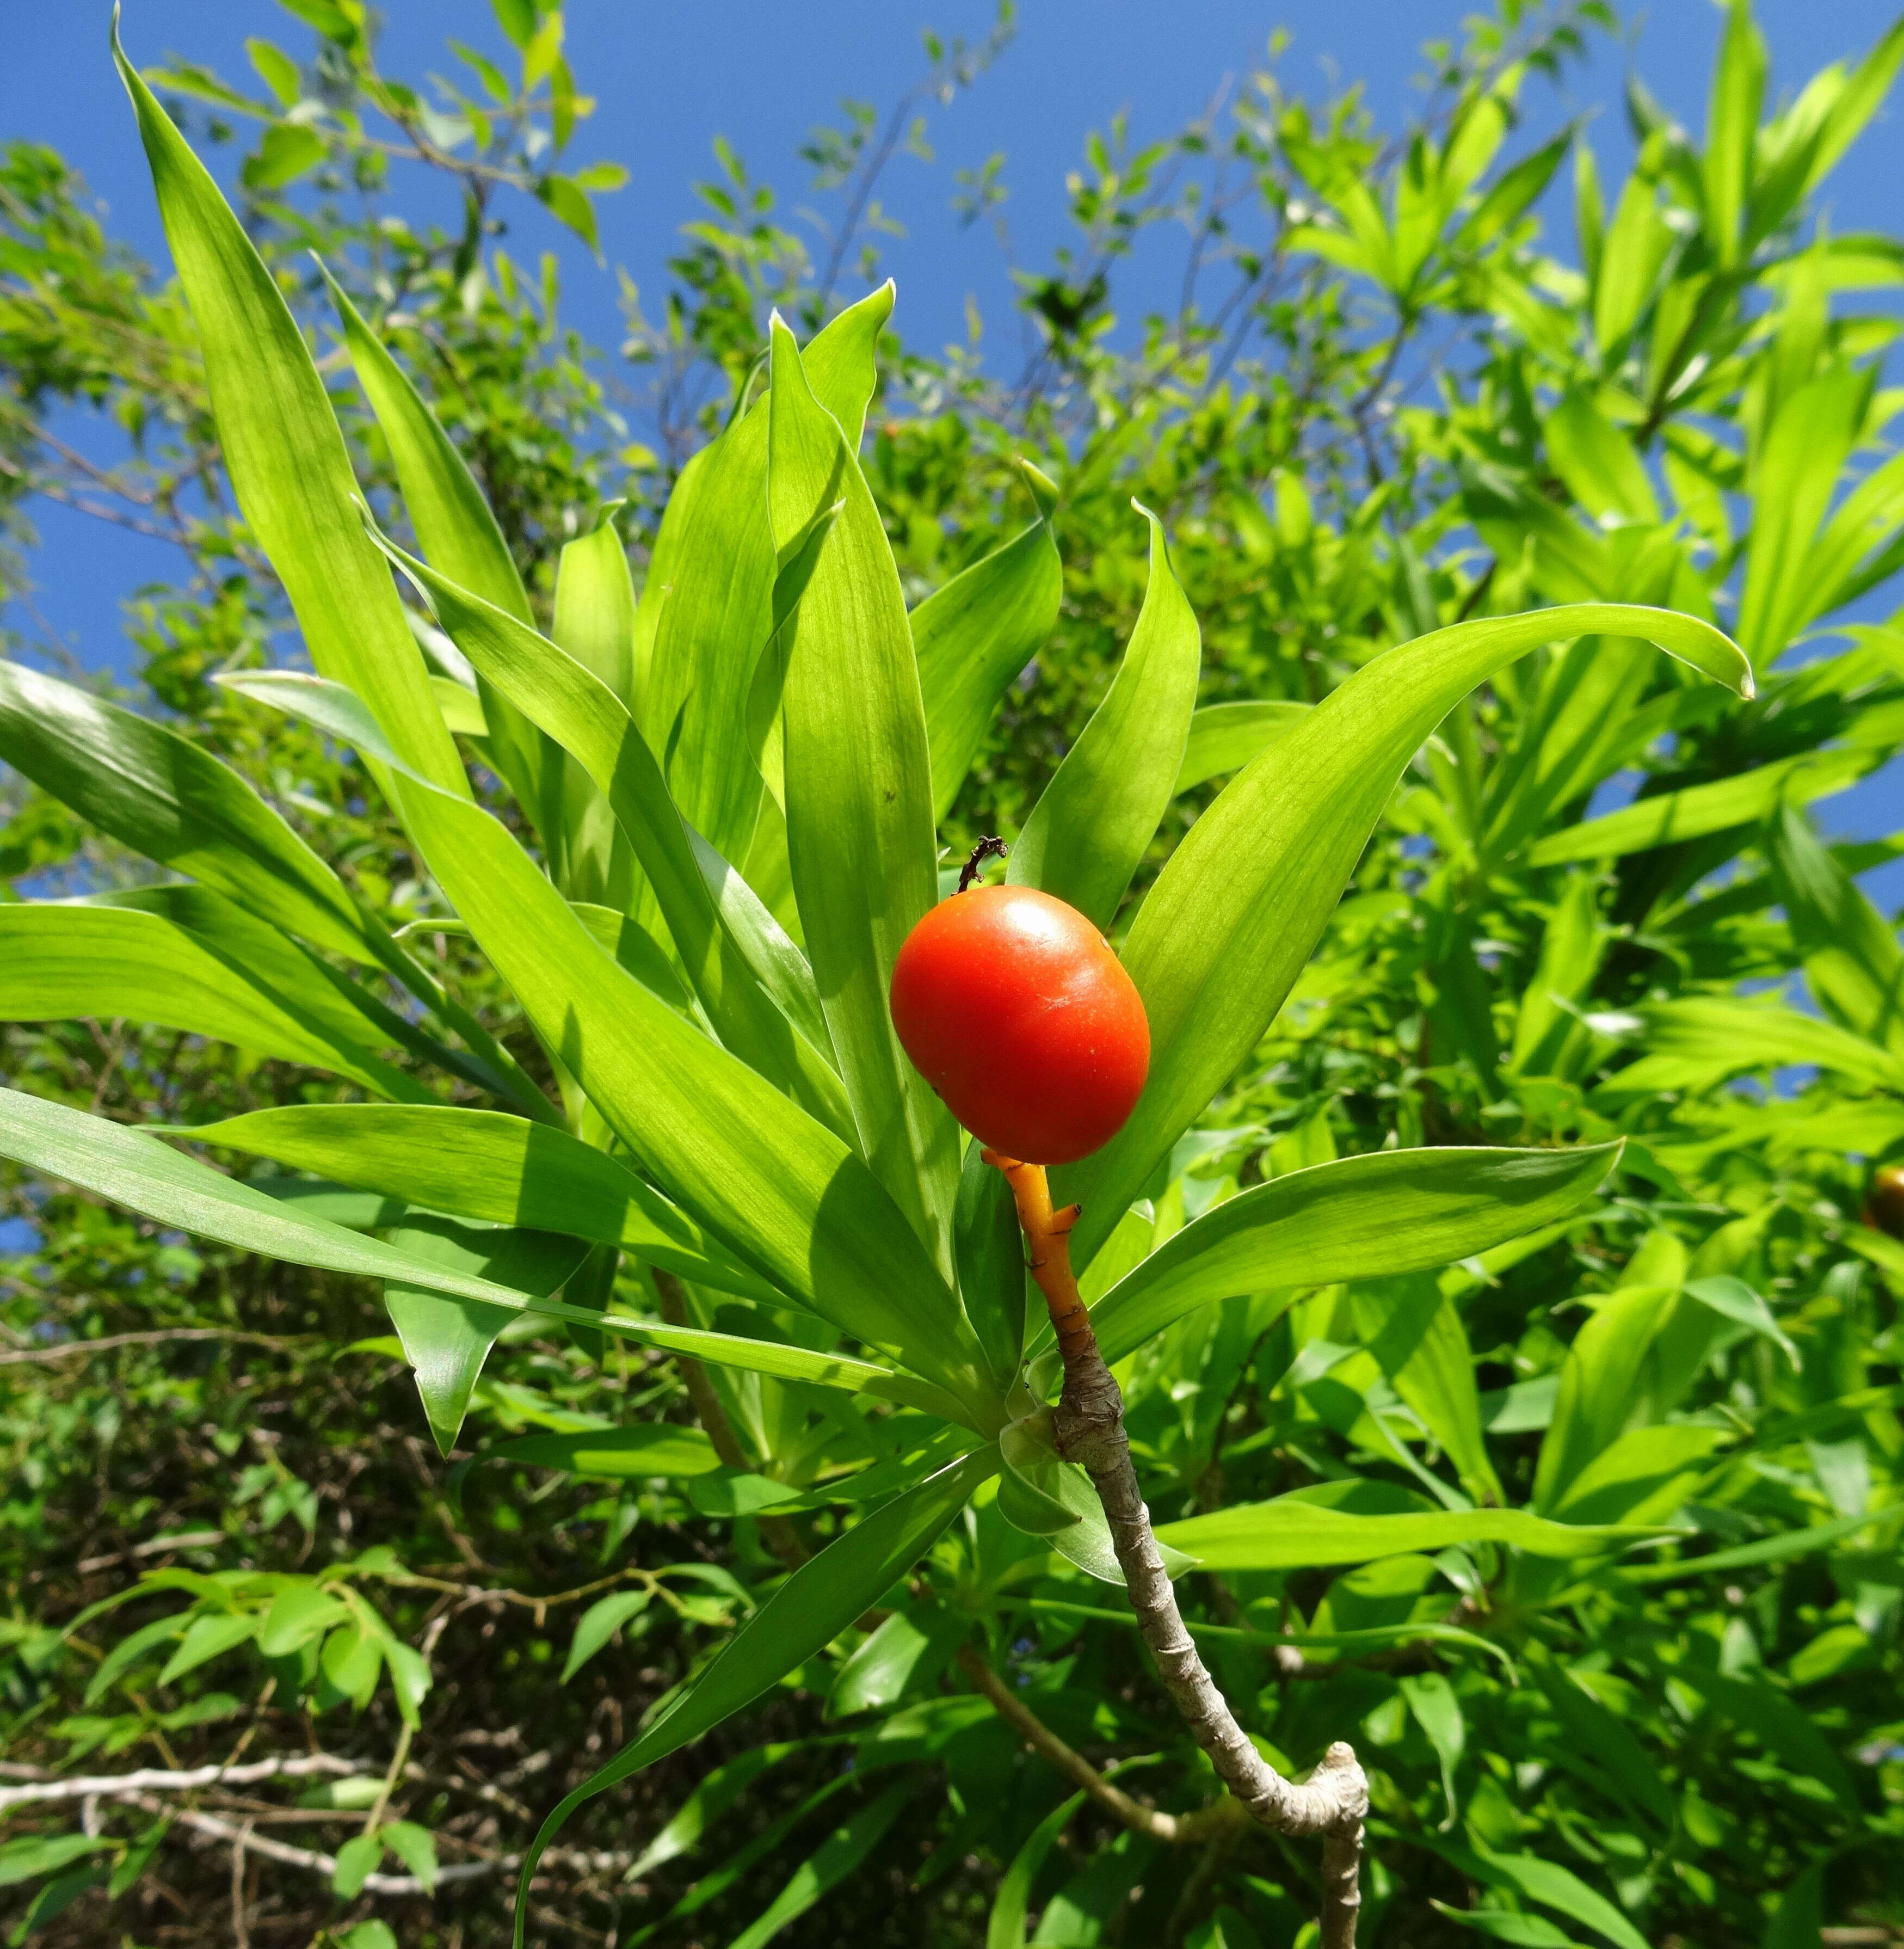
(1293, 1533)
(1220, 939)
(858, 794)
(1225, 737)
(1371, 1216)
(810, 1609)
(1696, 810)
(1731, 126)
(286, 457)
(458, 530)
(1093, 823)
(973, 636)
(836, 1857)
(704, 615)
(154, 791)
(139, 1172)
(481, 1164)
(777, 1188)
(61, 962)
(446, 1341)
(260, 956)
(587, 720)
(594, 623)
(1852, 962)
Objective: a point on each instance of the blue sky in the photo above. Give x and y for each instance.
(669, 77)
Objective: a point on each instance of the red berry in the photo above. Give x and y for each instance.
(1013, 1007)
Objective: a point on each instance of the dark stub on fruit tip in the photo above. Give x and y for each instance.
(992, 847)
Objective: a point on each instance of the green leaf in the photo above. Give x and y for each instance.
(1416, 1333)
(589, 722)
(1695, 811)
(1553, 1887)
(276, 69)
(458, 532)
(788, 1362)
(718, 1790)
(1642, 1476)
(1852, 963)
(1437, 1711)
(301, 1611)
(284, 454)
(703, 622)
(836, 1857)
(1795, 481)
(1778, 1549)
(1638, 240)
(644, 1452)
(1293, 1532)
(841, 361)
(859, 827)
(1598, 462)
(287, 150)
(1223, 934)
(156, 792)
(351, 1657)
(138, 1171)
(357, 1861)
(990, 1253)
(1006, 1928)
(807, 1612)
(517, 18)
(1085, 1541)
(971, 637)
(1378, 1215)
(1094, 823)
(348, 1016)
(1696, 1041)
(32, 1855)
(1779, 1723)
(569, 205)
(482, 1164)
(1508, 1925)
(1732, 127)
(1798, 1922)
(416, 1848)
(1225, 737)
(65, 961)
(777, 1188)
(206, 1638)
(594, 622)
(889, 1658)
(446, 1341)
(598, 1624)
(1738, 1303)
(1600, 1380)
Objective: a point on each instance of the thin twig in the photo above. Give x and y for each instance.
(1179, 1828)
(1089, 1424)
(156, 1779)
(776, 1532)
(71, 1350)
(583, 1861)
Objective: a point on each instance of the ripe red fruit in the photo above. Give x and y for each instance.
(1013, 1007)
(1884, 1200)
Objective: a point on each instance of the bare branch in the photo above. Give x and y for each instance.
(70, 1349)
(1178, 1828)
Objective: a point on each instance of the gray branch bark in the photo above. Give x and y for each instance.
(1333, 1802)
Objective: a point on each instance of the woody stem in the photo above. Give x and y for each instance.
(1089, 1423)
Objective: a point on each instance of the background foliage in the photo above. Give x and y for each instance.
(1416, 376)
